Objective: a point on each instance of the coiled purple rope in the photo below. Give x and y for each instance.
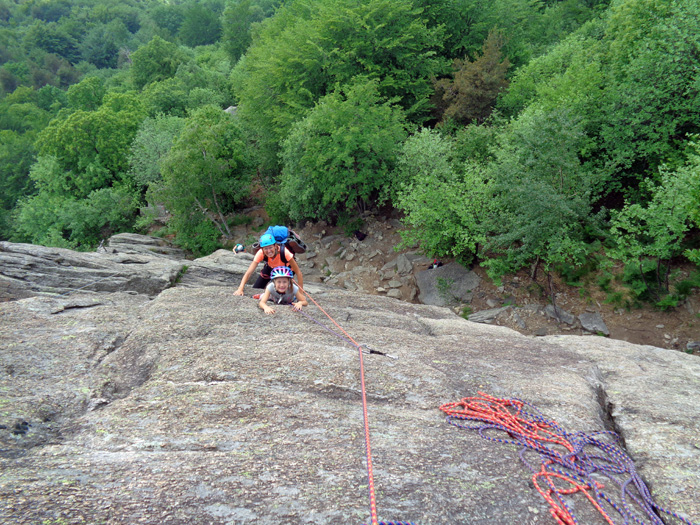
(610, 462)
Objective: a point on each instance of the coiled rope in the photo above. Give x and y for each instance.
(571, 458)
(368, 452)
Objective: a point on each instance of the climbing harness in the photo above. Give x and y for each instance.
(587, 456)
(368, 452)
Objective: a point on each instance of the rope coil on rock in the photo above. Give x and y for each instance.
(570, 458)
(368, 452)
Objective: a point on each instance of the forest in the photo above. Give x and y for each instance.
(557, 136)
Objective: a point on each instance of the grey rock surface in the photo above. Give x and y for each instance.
(195, 407)
(27, 270)
(593, 322)
(143, 244)
(559, 314)
(458, 285)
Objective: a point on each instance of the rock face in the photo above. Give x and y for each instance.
(192, 406)
(27, 270)
(448, 284)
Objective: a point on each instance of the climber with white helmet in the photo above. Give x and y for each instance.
(282, 291)
(273, 255)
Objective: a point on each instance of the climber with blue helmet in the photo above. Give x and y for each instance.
(282, 291)
(273, 255)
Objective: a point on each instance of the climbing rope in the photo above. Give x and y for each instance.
(367, 348)
(569, 458)
(368, 451)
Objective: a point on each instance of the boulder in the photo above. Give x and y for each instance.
(448, 284)
(593, 322)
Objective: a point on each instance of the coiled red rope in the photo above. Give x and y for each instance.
(575, 459)
(368, 450)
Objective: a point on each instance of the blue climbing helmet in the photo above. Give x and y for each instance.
(266, 240)
(281, 271)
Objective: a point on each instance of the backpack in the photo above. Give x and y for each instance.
(285, 237)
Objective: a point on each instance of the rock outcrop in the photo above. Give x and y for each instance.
(189, 405)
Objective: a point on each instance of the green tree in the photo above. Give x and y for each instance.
(310, 47)
(53, 38)
(151, 144)
(16, 156)
(200, 26)
(656, 231)
(339, 159)
(446, 202)
(102, 43)
(206, 173)
(50, 219)
(543, 194)
(653, 97)
(87, 94)
(155, 61)
(238, 17)
(91, 147)
(169, 97)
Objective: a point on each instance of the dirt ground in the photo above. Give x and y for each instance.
(672, 329)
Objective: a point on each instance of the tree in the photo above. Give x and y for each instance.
(151, 144)
(310, 47)
(206, 173)
(16, 156)
(87, 94)
(102, 43)
(653, 97)
(53, 38)
(155, 61)
(655, 232)
(238, 17)
(91, 147)
(471, 95)
(446, 202)
(50, 219)
(340, 158)
(200, 26)
(543, 194)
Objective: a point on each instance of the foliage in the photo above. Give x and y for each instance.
(445, 202)
(206, 173)
(151, 144)
(340, 157)
(200, 26)
(157, 60)
(237, 21)
(656, 231)
(86, 94)
(654, 96)
(311, 47)
(543, 193)
(90, 148)
(471, 94)
(50, 219)
(102, 42)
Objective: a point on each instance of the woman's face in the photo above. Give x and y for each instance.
(282, 284)
(270, 251)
